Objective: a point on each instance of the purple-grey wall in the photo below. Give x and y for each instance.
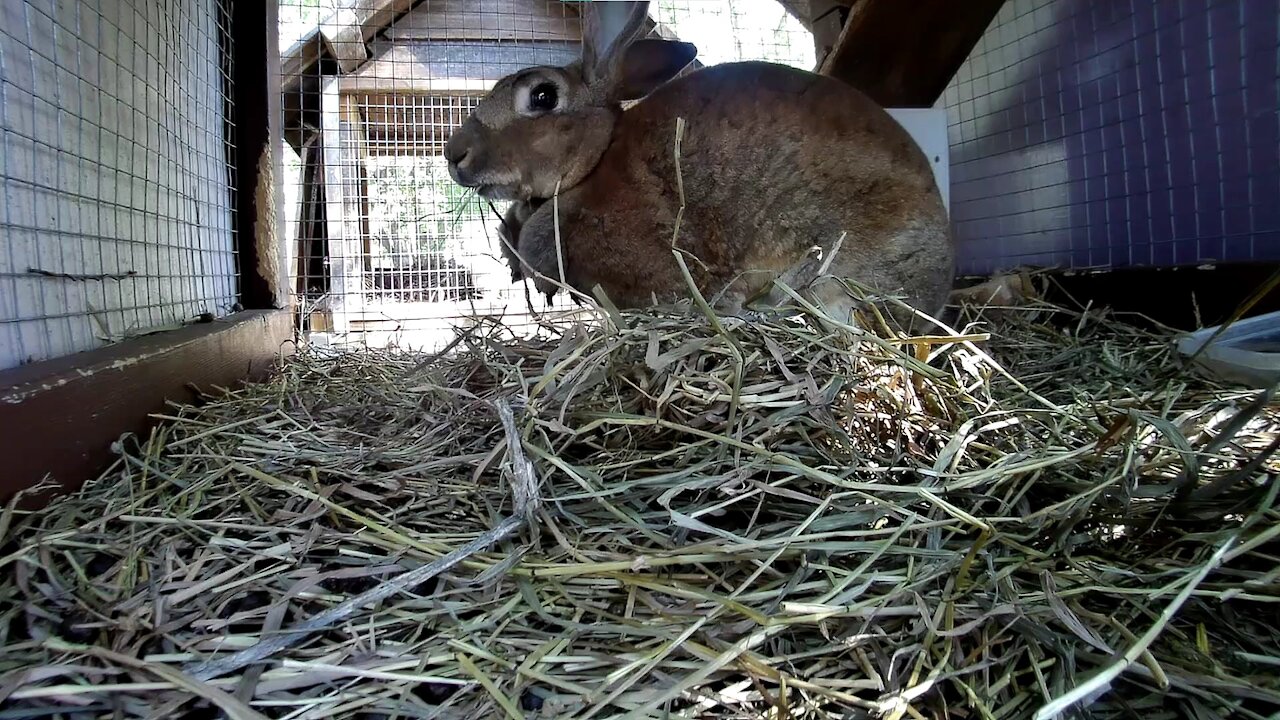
(1114, 133)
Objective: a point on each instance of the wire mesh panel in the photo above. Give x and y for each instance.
(389, 248)
(420, 223)
(115, 209)
(1119, 134)
(734, 30)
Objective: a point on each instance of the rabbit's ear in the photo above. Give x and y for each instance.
(648, 63)
(608, 27)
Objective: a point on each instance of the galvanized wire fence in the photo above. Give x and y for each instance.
(115, 200)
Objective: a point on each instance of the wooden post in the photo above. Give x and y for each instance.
(313, 248)
(258, 188)
(826, 20)
(903, 54)
(355, 153)
(342, 212)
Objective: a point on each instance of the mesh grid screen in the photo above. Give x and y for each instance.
(115, 208)
(1113, 134)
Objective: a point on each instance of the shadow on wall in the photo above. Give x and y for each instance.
(1118, 134)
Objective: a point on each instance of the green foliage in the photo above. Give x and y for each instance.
(415, 208)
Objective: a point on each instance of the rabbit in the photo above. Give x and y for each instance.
(777, 167)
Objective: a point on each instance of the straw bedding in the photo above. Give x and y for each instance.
(771, 520)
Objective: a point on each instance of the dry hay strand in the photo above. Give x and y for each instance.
(769, 520)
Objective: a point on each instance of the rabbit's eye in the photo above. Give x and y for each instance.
(542, 98)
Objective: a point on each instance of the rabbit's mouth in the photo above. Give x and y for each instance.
(462, 178)
(501, 192)
(487, 190)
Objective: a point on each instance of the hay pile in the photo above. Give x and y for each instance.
(763, 521)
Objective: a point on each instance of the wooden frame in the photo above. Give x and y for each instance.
(343, 193)
(256, 120)
(59, 418)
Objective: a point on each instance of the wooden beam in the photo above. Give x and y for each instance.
(903, 54)
(827, 19)
(300, 59)
(342, 209)
(313, 243)
(349, 28)
(355, 84)
(60, 417)
(800, 10)
(356, 145)
(254, 151)
(376, 16)
(495, 20)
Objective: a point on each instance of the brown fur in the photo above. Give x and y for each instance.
(774, 161)
(512, 221)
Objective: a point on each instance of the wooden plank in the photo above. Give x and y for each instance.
(313, 248)
(353, 193)
(488, 20)
(903, 54)
(331, 148)
(351, 27)
(375, 16)
(444, 66)
(355, 152)
(342, 218)
(417, 66)
(417, 85)
(827, 20)
(254, 152)
(302, 56)
(59, 418)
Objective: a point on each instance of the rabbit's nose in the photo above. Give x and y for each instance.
(456, 155)
(456, 150)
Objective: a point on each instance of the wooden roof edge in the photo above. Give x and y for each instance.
(342, 35)
(303, 55)
(905, 55)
